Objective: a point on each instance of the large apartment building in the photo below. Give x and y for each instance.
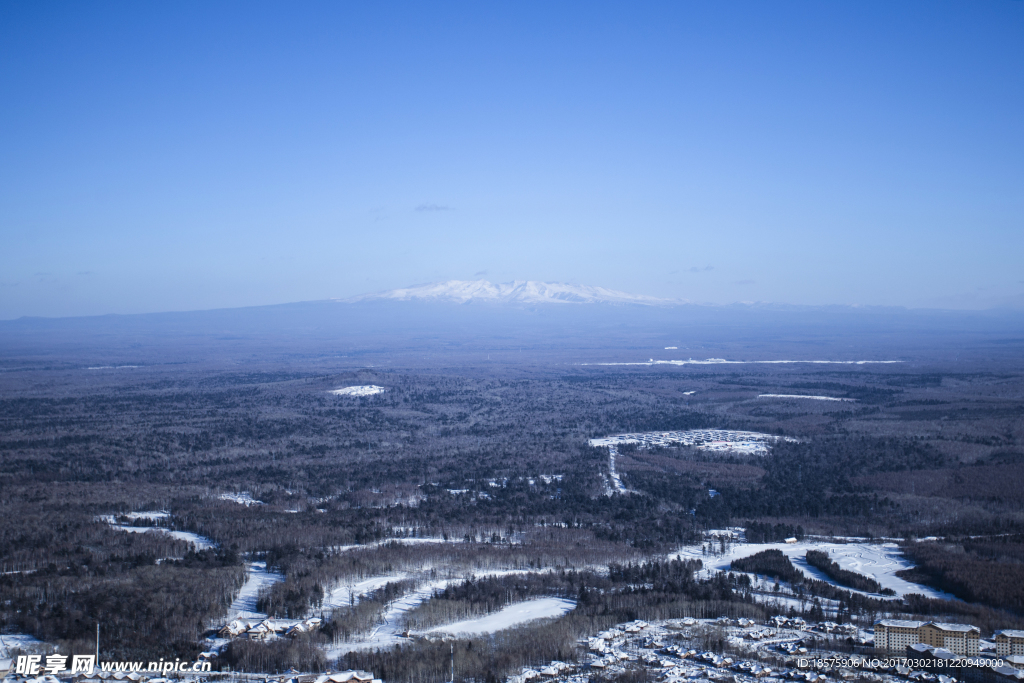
(895, 635)
(1009, 643)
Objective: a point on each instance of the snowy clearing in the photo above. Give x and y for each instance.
(704, 439)
(258, 578)
(390, 631)
(723, 361)
(878, 561)
(513, 615)
(243, 498)
(360, 390)
(616, 485)
(151, 516)
(816, 398)
(19, 641)
(346, 594)
(200, 542)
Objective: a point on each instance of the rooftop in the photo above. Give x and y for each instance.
(899, 623)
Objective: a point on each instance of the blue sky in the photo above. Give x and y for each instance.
(187, 155)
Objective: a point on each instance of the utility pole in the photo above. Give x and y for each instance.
(453, 661)
(97, 643)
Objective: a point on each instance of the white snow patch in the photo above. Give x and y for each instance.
(359, 390)
(815, 398)
(258, 578)
(513, 615)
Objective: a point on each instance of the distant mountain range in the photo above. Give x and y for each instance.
(517, 291)
(453, 318)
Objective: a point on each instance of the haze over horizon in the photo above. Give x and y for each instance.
(196, 156)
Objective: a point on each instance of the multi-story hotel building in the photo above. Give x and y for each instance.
(895, 635)
(1009, 643)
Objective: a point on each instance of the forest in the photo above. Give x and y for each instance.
(491, 464)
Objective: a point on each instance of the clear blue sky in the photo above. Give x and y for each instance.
(183, 155)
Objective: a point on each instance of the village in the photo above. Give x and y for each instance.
(722, 650)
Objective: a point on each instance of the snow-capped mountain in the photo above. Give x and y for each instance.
(518, 291)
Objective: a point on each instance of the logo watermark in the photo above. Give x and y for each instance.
(33, 665)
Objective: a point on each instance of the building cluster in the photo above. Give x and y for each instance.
(267, 629)
(951, 647)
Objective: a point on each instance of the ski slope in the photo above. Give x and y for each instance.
(511, 616)
(879, 561)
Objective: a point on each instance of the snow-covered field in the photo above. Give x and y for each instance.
(513, 615)
(360, 390)
(723, 361)
(815, 398)
(244, 606)
(880, 561)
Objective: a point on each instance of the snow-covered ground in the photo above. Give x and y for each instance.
(390, 632)
(878, 561)
(244, 606)
(200, 542)
(616, 485)
(346, 594)
(722, 361)
(19, 641)
(815, 398)
(513, 615)
(243, 498)
(385, 541)
(360, 390)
